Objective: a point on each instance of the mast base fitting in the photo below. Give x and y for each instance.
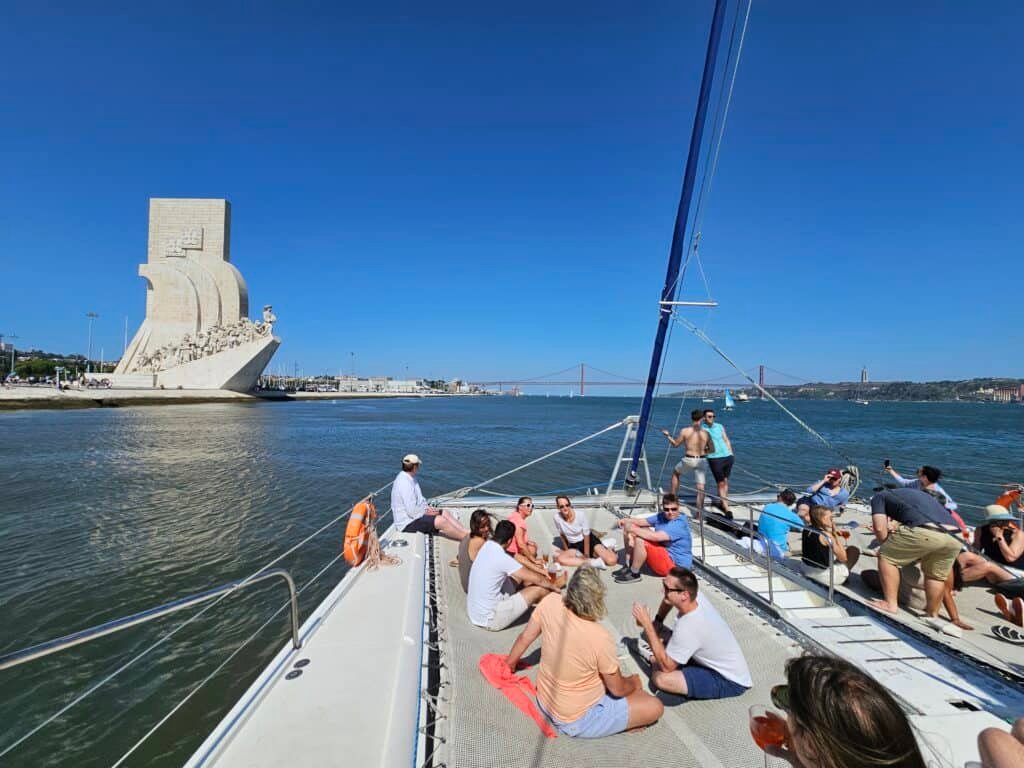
(630, 484)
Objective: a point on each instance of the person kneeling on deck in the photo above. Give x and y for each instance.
(923, 534)
(662, 541)
(774, 523)
(702, 659)
(580, 687)
(487, 605)
(410, 510)
(816, 544)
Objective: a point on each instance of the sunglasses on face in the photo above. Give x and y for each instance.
(564, 506)
(671, 509)
(780, 697)
(669, 589)
(526, 504)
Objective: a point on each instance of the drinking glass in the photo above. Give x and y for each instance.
(768, 728)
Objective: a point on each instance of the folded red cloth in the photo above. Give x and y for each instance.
(517, 689)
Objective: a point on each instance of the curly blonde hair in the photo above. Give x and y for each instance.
(585, 593)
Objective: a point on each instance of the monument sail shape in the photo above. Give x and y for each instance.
(197, 333)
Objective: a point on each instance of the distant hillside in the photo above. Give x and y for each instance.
(966, 389)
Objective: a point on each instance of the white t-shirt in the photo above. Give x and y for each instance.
(703, 636)
(575, 531)
(490, 569)
(407, 502)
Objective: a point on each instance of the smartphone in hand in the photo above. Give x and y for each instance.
(888, 463)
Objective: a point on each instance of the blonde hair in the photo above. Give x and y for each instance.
(818, 517)
(585, 593)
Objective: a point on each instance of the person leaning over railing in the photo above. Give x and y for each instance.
(580, 687)
(815, 546)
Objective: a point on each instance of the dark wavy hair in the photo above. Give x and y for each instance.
(847, 717)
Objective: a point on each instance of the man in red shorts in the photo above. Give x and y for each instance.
(662, 541)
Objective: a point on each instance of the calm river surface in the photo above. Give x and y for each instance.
(106, 512)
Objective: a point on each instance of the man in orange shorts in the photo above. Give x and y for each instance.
(662, 541)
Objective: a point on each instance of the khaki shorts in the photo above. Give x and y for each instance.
(936, 550)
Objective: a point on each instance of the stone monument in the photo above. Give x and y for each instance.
(197, 333)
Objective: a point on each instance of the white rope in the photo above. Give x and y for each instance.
(223, 664)
(160, 641)
(707, 340)
(463, 491)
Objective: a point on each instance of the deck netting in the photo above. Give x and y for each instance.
(484, 729)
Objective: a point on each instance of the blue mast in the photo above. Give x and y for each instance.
(678, 235)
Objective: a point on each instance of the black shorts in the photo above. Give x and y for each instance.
(594, 544)
(721, 468)
(423, 524)
(805, 501)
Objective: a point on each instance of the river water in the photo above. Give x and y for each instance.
(110, 511)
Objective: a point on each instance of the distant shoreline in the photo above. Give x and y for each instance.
(43, 398)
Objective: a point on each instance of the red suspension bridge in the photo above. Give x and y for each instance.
(579, 378)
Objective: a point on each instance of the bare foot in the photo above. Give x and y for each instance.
(963, 624)
(1004, 608)
(883, 606)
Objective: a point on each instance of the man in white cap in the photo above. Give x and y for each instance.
(411, 513)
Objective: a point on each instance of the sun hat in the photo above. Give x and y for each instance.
(994, 513)
(410, 458)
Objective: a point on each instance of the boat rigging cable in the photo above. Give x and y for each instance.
(678, 239)
(164, 638)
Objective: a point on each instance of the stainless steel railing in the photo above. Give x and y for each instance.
(92, 633)
(750, 551)
(831, 552)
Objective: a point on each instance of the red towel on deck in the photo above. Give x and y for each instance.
(519, 690)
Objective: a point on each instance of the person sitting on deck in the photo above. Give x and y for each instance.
(479, 532)
(702, 659)
(775, 522)
(662, 541)
(815, 546)
(1001, 562)
(840, 717)
(580, 687)
(923, 534)
(581, 544)
(927, 480)
(827, 492)
(410, 510)
(486, 602)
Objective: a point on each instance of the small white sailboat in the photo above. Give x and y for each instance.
(729, 402)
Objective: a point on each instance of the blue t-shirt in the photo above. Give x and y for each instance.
(717, 440)
(825, 499)
(679, 545)
(774, 529)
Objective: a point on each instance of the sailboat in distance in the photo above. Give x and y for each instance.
(729, 402)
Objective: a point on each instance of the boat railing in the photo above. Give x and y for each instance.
(747, 528)
(101, 630)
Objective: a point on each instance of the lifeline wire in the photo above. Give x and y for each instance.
(704, 337)
(164, 638)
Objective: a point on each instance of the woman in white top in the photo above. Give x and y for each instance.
(580, 544)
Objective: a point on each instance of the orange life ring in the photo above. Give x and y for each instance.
(357, 531)
(1008, 498)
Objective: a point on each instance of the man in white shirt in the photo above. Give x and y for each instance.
(702, 659)
(486, 604)
(410, 510)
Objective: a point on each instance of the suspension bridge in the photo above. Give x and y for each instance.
(582, 375)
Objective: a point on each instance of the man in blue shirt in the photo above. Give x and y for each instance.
(662, 541)
(720, 458)
(775, 523)
(827, 492)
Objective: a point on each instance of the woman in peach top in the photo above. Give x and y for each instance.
(580, 688)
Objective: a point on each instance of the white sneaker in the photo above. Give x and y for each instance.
(644, 650)
(597, 562)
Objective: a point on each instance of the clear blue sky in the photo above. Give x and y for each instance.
(487, 190)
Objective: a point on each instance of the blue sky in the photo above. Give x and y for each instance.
(487, 191)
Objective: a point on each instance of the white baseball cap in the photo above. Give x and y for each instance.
(410, 458)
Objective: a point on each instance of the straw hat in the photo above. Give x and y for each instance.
(994, 513)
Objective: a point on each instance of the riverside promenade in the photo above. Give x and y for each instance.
(24, 397)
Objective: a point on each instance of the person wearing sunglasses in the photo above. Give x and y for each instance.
(702, 659)
(581, 545)
(720, 458)
(662, 541)
(839, 717)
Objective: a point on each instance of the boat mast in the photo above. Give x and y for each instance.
(678, 237)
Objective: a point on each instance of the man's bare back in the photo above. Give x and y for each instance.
(696, 439)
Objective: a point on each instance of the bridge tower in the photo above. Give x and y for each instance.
(582, 365)
(760, 380)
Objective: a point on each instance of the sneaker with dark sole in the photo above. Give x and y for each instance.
(628, 577)
(620, 572)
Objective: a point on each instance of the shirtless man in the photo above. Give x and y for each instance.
(697, 444)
